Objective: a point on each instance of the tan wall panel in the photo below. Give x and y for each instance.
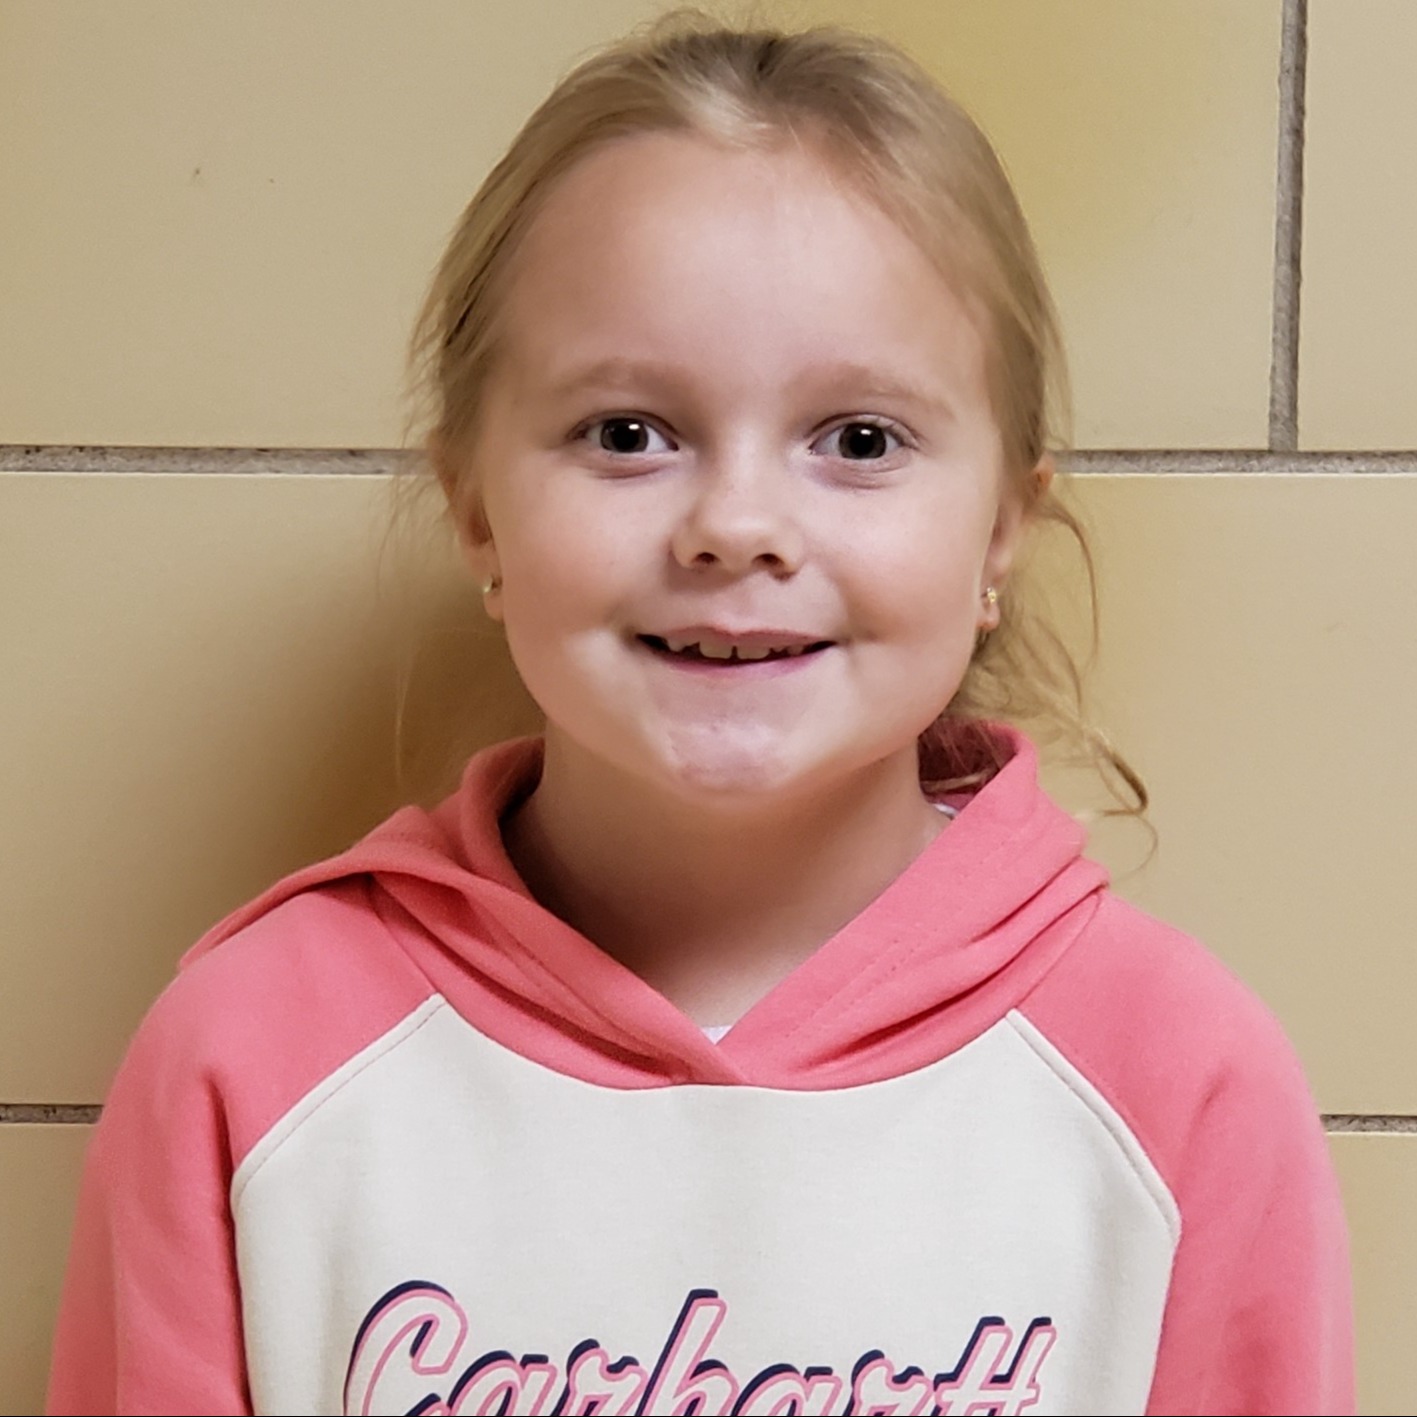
(1255, 665)
(1141, 137)
(39, 1177)
(201, 676)
(219, 217)
(1357, 365)
(39, 1169)
(204, 698)
(1379, 1176)
(39, 1172)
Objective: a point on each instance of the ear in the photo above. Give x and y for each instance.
(1016, 507)
(480, 552)
(488, 570)
(470, 525)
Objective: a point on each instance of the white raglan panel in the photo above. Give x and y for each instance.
(442, 1201)
(293, 1120)
(1081, 1085)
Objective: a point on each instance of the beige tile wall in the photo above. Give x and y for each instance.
(207, 700)
(1379, 1176)
(39, 1172)
(252, 193)
(205, 673)
(230, 208)
(1360, 282)
(1251, 665)
(217, 219)
(1140, 135)
(39, 1181)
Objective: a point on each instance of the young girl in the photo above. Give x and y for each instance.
(758, 1041)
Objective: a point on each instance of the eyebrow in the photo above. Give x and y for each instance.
(838, 379)
(847, 378)
(618, 372)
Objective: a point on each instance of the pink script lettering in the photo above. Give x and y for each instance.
(406, 1359)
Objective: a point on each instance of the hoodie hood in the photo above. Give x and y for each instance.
(955, 942)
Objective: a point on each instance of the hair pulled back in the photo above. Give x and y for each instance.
(886, 127)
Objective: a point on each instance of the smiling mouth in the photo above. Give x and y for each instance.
(719, 652)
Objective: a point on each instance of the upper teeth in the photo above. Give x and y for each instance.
(726, 649)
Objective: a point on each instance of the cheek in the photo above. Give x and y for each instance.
(918, 579)
(546, 551)
(567, 579)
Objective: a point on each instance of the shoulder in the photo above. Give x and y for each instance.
(1182, 1049)
(250, 1026)
(1201, 1076)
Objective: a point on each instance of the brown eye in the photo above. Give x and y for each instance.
(862, 441)
(627, 436)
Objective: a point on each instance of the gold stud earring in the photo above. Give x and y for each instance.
(991, 596)
(490, 584)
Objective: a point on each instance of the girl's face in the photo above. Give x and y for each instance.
(735, 408)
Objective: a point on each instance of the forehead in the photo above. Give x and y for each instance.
(754, 263)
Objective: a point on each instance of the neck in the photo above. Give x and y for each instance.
(713, 904)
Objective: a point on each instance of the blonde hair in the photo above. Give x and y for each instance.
(882, 121)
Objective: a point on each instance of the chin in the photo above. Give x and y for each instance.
(747, 771)
(730, 770)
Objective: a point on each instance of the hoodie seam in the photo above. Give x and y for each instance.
(325, 1091)
(1120, 1131)
(903, 960)
(538, 975)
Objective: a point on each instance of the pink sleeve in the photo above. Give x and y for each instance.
(1258, 1317)
(150, 1317)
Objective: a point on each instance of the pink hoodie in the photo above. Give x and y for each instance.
(397, 1140)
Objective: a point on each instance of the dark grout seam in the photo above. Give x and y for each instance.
(70, 1114)
(1115, 461)
(307, 462)
(1399, 1123)
(67, 1113)
(1288, 229)
(24, 460)
(1201, 462)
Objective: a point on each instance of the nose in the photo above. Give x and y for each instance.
(741, 517)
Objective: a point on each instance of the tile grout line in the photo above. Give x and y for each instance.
(1288, 229)
(1194, 462)
(269, 462)
(30, 459)
(1390, 1123)
(63, 1113)
(70, 1114)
